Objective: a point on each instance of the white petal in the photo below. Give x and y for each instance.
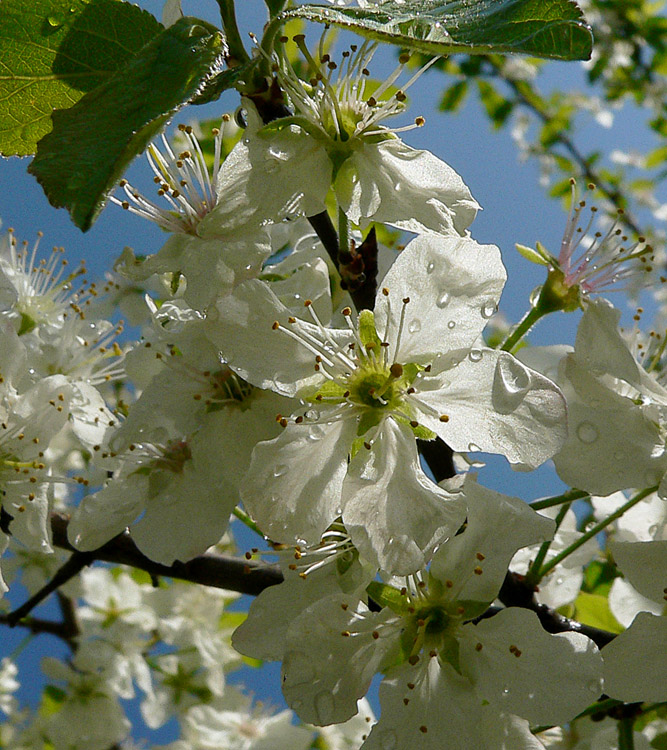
(242, 326)
(393, 512)
(410, 189)
(498, 525)
(262, 635)
(442, 711)
(554, 678)
(324, 671)
(453, 284)
(293, 486)
(625, 602)
(635, 662)
(644, 564)
(494, 404)
(268, 178)
(610, 442)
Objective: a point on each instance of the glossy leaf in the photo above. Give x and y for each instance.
(54, 51)
(542, 28)
(92, 143)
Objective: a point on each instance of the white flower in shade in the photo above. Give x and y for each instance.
(616, 408)
(449, 682)
(562, 584)
(233, 723)
(8, 686)
(335, 137)
(351, 734)
(85, 714)
(412, 367)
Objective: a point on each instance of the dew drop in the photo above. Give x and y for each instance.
(312, 414)
(316, 433)
(443, 300)
(415, 326)
(474, 448)
(594, 686)
(55, 20)
(280, 470)
(388, 740)
(587, 433)
(488, 309)
(451, 325)
(505, 691)
(653, 529)
(560, 580)
(325, 707)
(475, 355)
(430, 267)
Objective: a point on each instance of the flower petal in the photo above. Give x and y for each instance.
(293, 487)
(493, 403)
(393, 512)
(554, 678)
(635, 662)
(391, 182)
(453, 284)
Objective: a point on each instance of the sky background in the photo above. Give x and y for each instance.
(515, 209)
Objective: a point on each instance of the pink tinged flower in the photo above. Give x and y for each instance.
(600, 261)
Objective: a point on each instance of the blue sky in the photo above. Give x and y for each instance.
(515, 209)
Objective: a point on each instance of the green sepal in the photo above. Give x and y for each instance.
(357, 445)
(367, 331)
(369, 419)
(449, 651)
(27, 324)
(387, 596)
(330, 391)
(420, 431)
(534, 256)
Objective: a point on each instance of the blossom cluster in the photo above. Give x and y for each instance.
(258, 380)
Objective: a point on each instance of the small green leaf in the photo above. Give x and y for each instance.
(387, 596)
(53, 52)
(593, 610)
(532, 255)
(454, 96)
(92, 143)
(542, 28)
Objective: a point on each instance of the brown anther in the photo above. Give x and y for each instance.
(307, 302)
(478, 647)
(367, 446)
(346, 633)
(291, 320)
(396, 370)
(449, 584)
(411, 685)
(283, 423)
(413, 659)
(298, 420)
(406, 300)
(478, 571)
(423, 729)
(375, 634)
(344, 607)
(460, 610)
(346, 311)
(385, 291)
(406, 701)
(444, 418)
(276, 325)
(414, 424)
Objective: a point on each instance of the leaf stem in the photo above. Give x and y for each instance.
(237, 52)
(626, 739)
(343, 232)
(535, 574)
(566, 497)
(595, 530)
(522, 328)
(247, 521)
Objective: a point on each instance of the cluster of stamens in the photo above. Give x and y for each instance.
(338, 99)
(183, 181)
(599, 261)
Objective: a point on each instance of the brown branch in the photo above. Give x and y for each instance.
(37, 626)
(218, 571)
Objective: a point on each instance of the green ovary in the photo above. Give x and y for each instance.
(378, 389)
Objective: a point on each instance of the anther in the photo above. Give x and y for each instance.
(444, 418)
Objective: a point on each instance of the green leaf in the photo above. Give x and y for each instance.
(53, 52)
(497, 107)
(387, 596)
(454, 96)
(542, 28)
(92, 143)
(593, 610)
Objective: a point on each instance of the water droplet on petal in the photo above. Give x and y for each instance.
(594, 686)
(388, 740)
(511, 383)
(316, 433)
(505, 691)
(488, 309)
(559, 581)
(587, 433)
(325, 707)
(280, 470)
(653, 529)
(312, 414)
(298, 669)
(475, 355)
(415, 326)
(451, 324)
(474, 448)
(430, 267)
(443, 300)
